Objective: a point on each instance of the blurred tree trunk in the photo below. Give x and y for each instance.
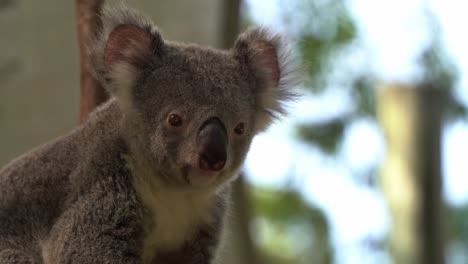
(411, 175)
(231, 22)
(92, 93)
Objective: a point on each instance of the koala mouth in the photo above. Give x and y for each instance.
(196, 176)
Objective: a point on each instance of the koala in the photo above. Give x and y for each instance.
(146, 179)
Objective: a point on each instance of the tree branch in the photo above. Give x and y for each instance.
(92, 93)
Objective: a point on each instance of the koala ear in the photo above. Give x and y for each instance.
(125, 46)
(268, 57)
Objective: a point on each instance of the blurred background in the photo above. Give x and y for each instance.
(368, 168)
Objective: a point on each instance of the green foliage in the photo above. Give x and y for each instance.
(290, 230)
(327, 29)
(364, 97)
(345, 29)
(457, 233)
(440, 72)
(314, 51)
(455, 110)
(293, 231)
(327, 135)
(458, 224)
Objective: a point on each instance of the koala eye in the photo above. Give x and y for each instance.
(239, 129)
(174, 120)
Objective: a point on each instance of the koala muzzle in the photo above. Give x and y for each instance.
(212, 145)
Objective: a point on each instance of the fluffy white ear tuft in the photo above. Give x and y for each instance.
(268, 57)
(124, 47)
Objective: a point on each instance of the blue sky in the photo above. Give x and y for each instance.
(392, 34)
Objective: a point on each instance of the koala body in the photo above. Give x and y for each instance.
(146, 178)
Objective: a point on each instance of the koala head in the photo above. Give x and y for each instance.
(190, 112)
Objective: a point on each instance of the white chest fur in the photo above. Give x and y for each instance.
(172, 217)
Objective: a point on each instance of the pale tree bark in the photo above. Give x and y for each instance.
(411, 176)
(92, 93)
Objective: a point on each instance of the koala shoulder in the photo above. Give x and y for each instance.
(51, 164)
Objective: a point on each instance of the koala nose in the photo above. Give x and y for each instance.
(212, 145)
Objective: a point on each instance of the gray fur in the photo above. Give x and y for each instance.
(114, 189)
(270, 96)
(115, 16)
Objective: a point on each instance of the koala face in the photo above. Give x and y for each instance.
(197, 108)
(190, 112)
